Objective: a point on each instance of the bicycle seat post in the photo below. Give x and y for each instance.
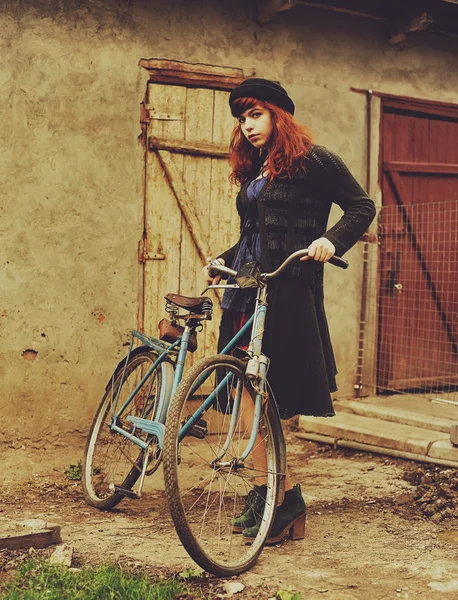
(255, 346)
(181, 357)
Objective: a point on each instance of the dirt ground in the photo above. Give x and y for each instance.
(366, 536)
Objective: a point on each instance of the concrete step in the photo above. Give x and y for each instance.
(403, 409)
(376, 434)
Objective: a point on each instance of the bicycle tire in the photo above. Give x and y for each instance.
(203, 501)
(109, 457)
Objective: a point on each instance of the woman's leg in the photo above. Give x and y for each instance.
(288, 482)
(254, 505)
(290, 516)
(258, 454)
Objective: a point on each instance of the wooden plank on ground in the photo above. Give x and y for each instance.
(33, 533)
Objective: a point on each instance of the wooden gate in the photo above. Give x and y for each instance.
(418, 309)
(189, 203)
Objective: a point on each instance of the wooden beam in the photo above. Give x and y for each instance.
(268, 9)
(184, 202)
(192, 74)
(339, 9)
(426, 168)
(449, 33)
(193, 148)
(186, 207)
(160, 64)
(427, 382)
(34, 533)
(415, 22)
(195, 80)
(443, 109)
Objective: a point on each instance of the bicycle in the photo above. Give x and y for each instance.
(126, 437)
(221, 416)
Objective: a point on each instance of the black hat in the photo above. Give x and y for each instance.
(262, 89)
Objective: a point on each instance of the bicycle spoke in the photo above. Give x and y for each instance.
(209, 478)
(111, 459)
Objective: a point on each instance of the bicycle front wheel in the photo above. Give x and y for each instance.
(111, 460)
(209, 484)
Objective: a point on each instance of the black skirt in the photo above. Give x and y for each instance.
(302, 367)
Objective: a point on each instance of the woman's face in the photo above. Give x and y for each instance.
(256, 125)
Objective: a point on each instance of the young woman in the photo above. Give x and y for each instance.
(288, 185)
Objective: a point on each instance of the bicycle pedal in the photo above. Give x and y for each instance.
(198, 430)
(124, 492)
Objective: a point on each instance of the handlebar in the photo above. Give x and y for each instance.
(335, 260)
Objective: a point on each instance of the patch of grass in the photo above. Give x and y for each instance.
(74, 472)
(288, 595)
(36, 580)
(191, 573)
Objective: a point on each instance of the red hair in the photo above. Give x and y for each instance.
(288, 147)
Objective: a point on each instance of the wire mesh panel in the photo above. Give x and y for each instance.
(411, 330)
(416, 338)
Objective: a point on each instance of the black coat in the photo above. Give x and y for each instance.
(293, 213)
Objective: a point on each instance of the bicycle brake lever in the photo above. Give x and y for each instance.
(339, 262)
(222, 286)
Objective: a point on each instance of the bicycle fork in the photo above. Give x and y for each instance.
(259, 401)
(256, 372)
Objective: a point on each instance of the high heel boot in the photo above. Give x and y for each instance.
(252, 511)
(289, 519)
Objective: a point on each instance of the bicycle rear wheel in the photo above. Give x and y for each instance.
(207, 484)
(111, 459)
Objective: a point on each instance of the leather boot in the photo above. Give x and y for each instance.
(252, 511)
(289, 519)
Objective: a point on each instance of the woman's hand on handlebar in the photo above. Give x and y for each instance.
(210, 278)
(321, 249)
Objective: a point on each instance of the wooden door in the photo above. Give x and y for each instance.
(418, 308)
(189, 203)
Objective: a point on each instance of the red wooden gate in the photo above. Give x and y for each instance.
(418, 308)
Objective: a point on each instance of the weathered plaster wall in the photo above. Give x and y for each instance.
(71, 167)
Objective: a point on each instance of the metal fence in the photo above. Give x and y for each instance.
(410, 328)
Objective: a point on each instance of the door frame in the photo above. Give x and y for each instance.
(393, 169)
(184, 74)
(374, 102)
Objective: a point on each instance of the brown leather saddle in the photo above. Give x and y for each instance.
(195, 305)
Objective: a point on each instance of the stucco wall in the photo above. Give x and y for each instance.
(71, 168)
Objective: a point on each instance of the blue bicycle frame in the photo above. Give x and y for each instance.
(178, 349)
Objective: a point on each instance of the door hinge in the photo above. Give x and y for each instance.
(150, 256)
(149, 113)
(153, 256)
(144, 255)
